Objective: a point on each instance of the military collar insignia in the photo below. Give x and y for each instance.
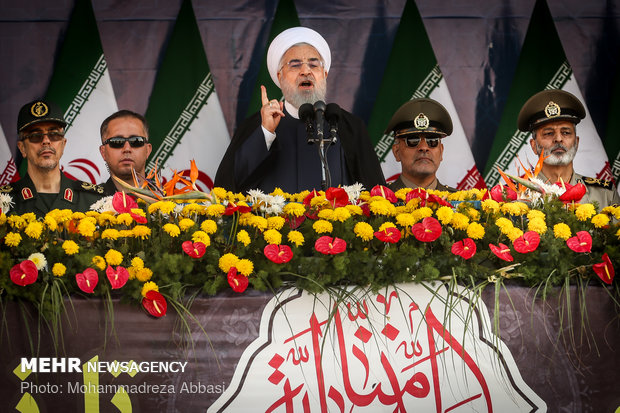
(552, 110)
(421, 122)
(6, 189)
(27, 193)
(68, 195)
(597, 182)
(39, 109)
(92, 187)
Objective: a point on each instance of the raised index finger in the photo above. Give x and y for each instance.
(263, 95)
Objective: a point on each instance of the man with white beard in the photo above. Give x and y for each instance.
(270, 149)
(552, 116)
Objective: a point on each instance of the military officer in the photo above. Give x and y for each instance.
(552, 116)
(41, 132)
(419, 127)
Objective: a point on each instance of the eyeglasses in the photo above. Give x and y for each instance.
(37, 137)
(118, 142)
(413, 141)
(296, 64)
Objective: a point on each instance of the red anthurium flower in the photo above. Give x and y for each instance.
(118, 277)
(385, 192)
(87, 281)
(527, 242)
(428, 230)
(123, 203)
(391, 235)
(279, 254)
(194, 249)
(24, 273)
(328, 245)
(309, 197)
(295, 222)
(231, 208)
(417, 193)
(605, 270)
(502, 193)
(465, 248)
(438, 200)
(155, 303)
(238, 282)
(501, 251)
(581, 242)
(338, 197)
(365, 209)
(573, 193)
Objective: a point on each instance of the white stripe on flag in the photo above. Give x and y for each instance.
(8, 169)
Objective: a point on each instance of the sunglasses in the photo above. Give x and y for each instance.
(37, 137)
(413, 141)
(118, 142)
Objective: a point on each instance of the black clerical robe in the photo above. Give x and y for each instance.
(293, 165)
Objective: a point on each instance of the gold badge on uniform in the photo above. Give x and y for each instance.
(421, 121)
(39, 109)
(27, 193)
(68, 195)
(552, 110)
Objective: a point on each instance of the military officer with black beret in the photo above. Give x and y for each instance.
(419, 127)
(41, 131)
(552, 116)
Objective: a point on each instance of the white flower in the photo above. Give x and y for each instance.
(268, 204)
(353, 191)
(39, 260)
(103, 205)
(6, 202)
(275, 203)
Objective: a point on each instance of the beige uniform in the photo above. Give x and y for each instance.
(597, 190)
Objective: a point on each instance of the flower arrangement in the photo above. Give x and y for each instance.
(159, 251)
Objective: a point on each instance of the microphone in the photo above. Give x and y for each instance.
(306, 114)
(332, 114)
(319, 116)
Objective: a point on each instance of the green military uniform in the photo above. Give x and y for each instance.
(400, 184)
(73, 195)
(601, 191)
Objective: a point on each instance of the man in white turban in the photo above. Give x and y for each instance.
(270, 150)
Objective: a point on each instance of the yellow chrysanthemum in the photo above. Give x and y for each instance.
(460, 221)
(272, 236)
(110, 233)
(475, 230)
(275, 223)
(321, 226)
(172, 230)
(504, 224)
(12, 239)
(294, 209)
(191, 209)
(490, 206)
(413, 204)
(600, 220)
(220, 193)
(226, 261)
(259, 223)
(473, 214)
(514, 233)
(141, 231)
(364, 231)
(341, 214)
(17, 222)
(2, 218)
(354, 209)
(78, 216)
(245, 267)
(326, 214)
(124, 219)
(50, 223)
(209, 226)
(59, 269)
(296, 237)
(165, 207)
(299, 197)
(514, 208)
(125, 233)
(402, 193)
(319, 201)
(201, 236)
(143, 274)
(618, 234)
(113, 257)
(382, 207)
(386, 225)
(137, 262)
(99, 262)
(535, 213)
(243, 237)
(148, 286)
(86, 227)
(245, 219)
(585, 211)
(215, 210)
(70, 247)
(186, 224)
(106, 218)
(421, 213)
(444, 214)
(405, 220)
(34, 229)
(537, 224)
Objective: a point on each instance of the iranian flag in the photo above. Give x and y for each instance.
(412, 72)
(284, 18)
(81, 86)
(542, 65)
(8, 169)
(184, 114)
(612, 143)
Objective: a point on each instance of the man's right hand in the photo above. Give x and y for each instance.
(271, 112)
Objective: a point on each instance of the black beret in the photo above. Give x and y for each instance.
(421, 116)
(547, 106)
(39, 111)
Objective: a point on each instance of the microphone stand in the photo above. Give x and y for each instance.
(319, 111)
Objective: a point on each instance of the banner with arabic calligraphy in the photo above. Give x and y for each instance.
(370, 359)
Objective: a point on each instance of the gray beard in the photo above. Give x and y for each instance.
(564, 159)
(298, 98)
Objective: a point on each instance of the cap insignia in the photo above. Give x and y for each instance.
(552, 110)
(421, 121)
(39, 109)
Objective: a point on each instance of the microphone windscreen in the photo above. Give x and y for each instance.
(332, 113)
(319, 105)
(306, 112)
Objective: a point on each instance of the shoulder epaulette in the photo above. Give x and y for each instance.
(88, 187)
(597, 182)
(6, 189)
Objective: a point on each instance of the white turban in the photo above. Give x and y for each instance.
(290, 37)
